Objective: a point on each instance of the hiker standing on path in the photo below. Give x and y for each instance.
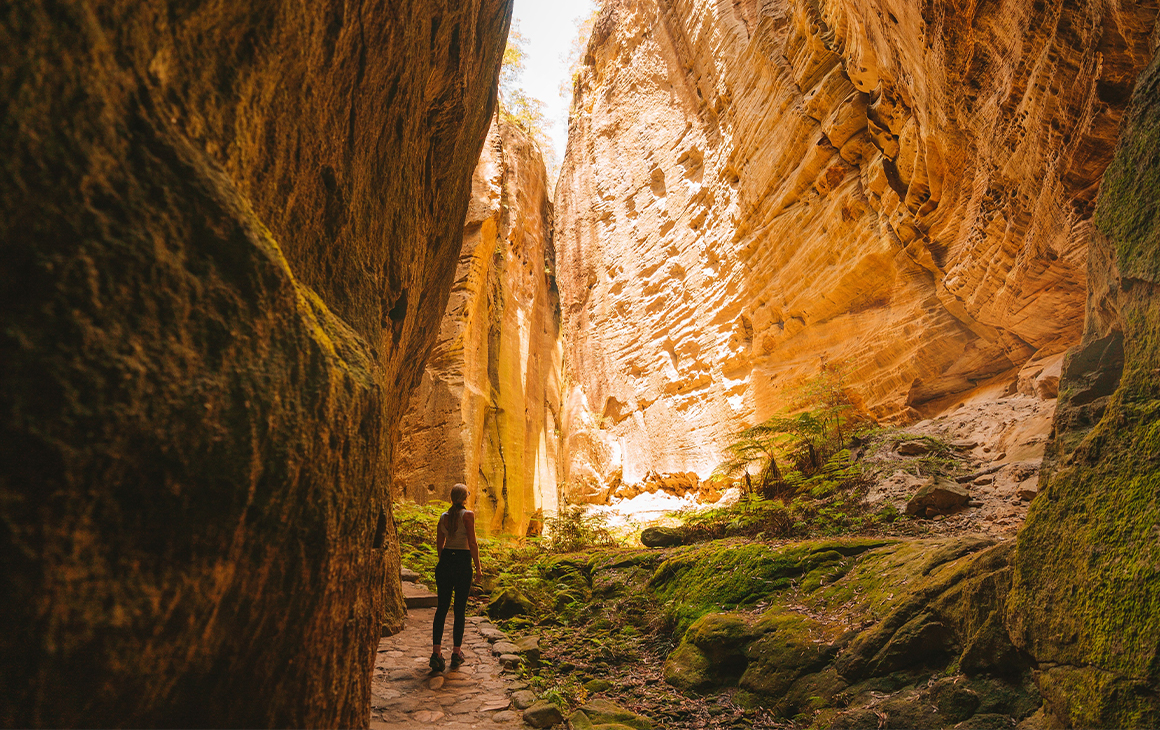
(457, 550)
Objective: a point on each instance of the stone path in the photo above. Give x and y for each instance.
(405, 696)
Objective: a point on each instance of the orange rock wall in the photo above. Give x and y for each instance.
(754, 189)
(487, 410)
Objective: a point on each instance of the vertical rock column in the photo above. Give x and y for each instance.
(487, 410)
(1086, 591)
(228, 232)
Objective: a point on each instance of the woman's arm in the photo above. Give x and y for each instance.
(440, 537)
(472, 544)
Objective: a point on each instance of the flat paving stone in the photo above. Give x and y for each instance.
(403, 695)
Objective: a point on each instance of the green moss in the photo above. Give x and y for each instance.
(1129, 210)
(721, 636)
(791, 644)
(1090, 697)
(603, 712)
(727, 575)
(688, 669)
(1086, 585)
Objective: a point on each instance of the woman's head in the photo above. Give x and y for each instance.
(459, 494)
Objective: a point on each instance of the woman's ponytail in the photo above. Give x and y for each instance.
(458, 500)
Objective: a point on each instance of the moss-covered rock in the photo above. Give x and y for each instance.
(722, 636)
(687, 668)
(728, 574)
(712, 653)
(594, 686)
(509, 603)
(662, 537)
(953, 700)
(1086, 583)
(790, 645)
(605, 712)
(543, 714)
(813, 692)
(579, 721)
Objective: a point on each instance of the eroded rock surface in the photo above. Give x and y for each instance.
(487, 412)
(753, 189)
(229, 230)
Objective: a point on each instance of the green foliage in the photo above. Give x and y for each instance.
(827, 502)
(574, 529)
(577, 51)
(804, 441)
(565, 692)
(519, 108)
(416, 525)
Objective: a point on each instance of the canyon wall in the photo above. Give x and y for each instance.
(486, 412)
(229, 231)
(899, 191)
(1086, 588)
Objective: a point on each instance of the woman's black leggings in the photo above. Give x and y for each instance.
(452, 575)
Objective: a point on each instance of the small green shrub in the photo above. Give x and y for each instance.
(574, 528)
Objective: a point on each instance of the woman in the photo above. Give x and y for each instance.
(457, 551)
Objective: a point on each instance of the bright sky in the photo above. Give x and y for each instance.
(549, 26)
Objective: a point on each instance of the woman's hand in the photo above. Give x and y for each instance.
(478, 574)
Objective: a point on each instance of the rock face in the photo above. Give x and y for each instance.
(1085, 591)
(487, 410)
(229, 231)
(756, 189)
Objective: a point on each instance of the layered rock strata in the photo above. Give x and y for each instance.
(754, 190)
(1086, 584)
(486, 412)
(229, 231)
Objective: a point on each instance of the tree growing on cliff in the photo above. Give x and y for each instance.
(518, 107)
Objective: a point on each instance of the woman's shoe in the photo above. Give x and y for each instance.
(456, 661)
(437, 664)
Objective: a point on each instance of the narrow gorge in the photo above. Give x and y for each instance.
(821, 389)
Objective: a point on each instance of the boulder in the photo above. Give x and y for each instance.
(492, 634)
(579, 721)
(688, 669)
(523, 699)
(543, 714)
(918, 447)
(954, 701)
(509, 661)
(509, 603)
(504, 647)
(604, 712)
(595, 686)
(939, 497)
(661, 537)
(529, 648)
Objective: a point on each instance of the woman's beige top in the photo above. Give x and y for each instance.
(455, 540)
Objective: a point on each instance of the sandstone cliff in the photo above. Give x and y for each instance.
(487, 410)
(1087, 571)
(754, 189)
(229, 230)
